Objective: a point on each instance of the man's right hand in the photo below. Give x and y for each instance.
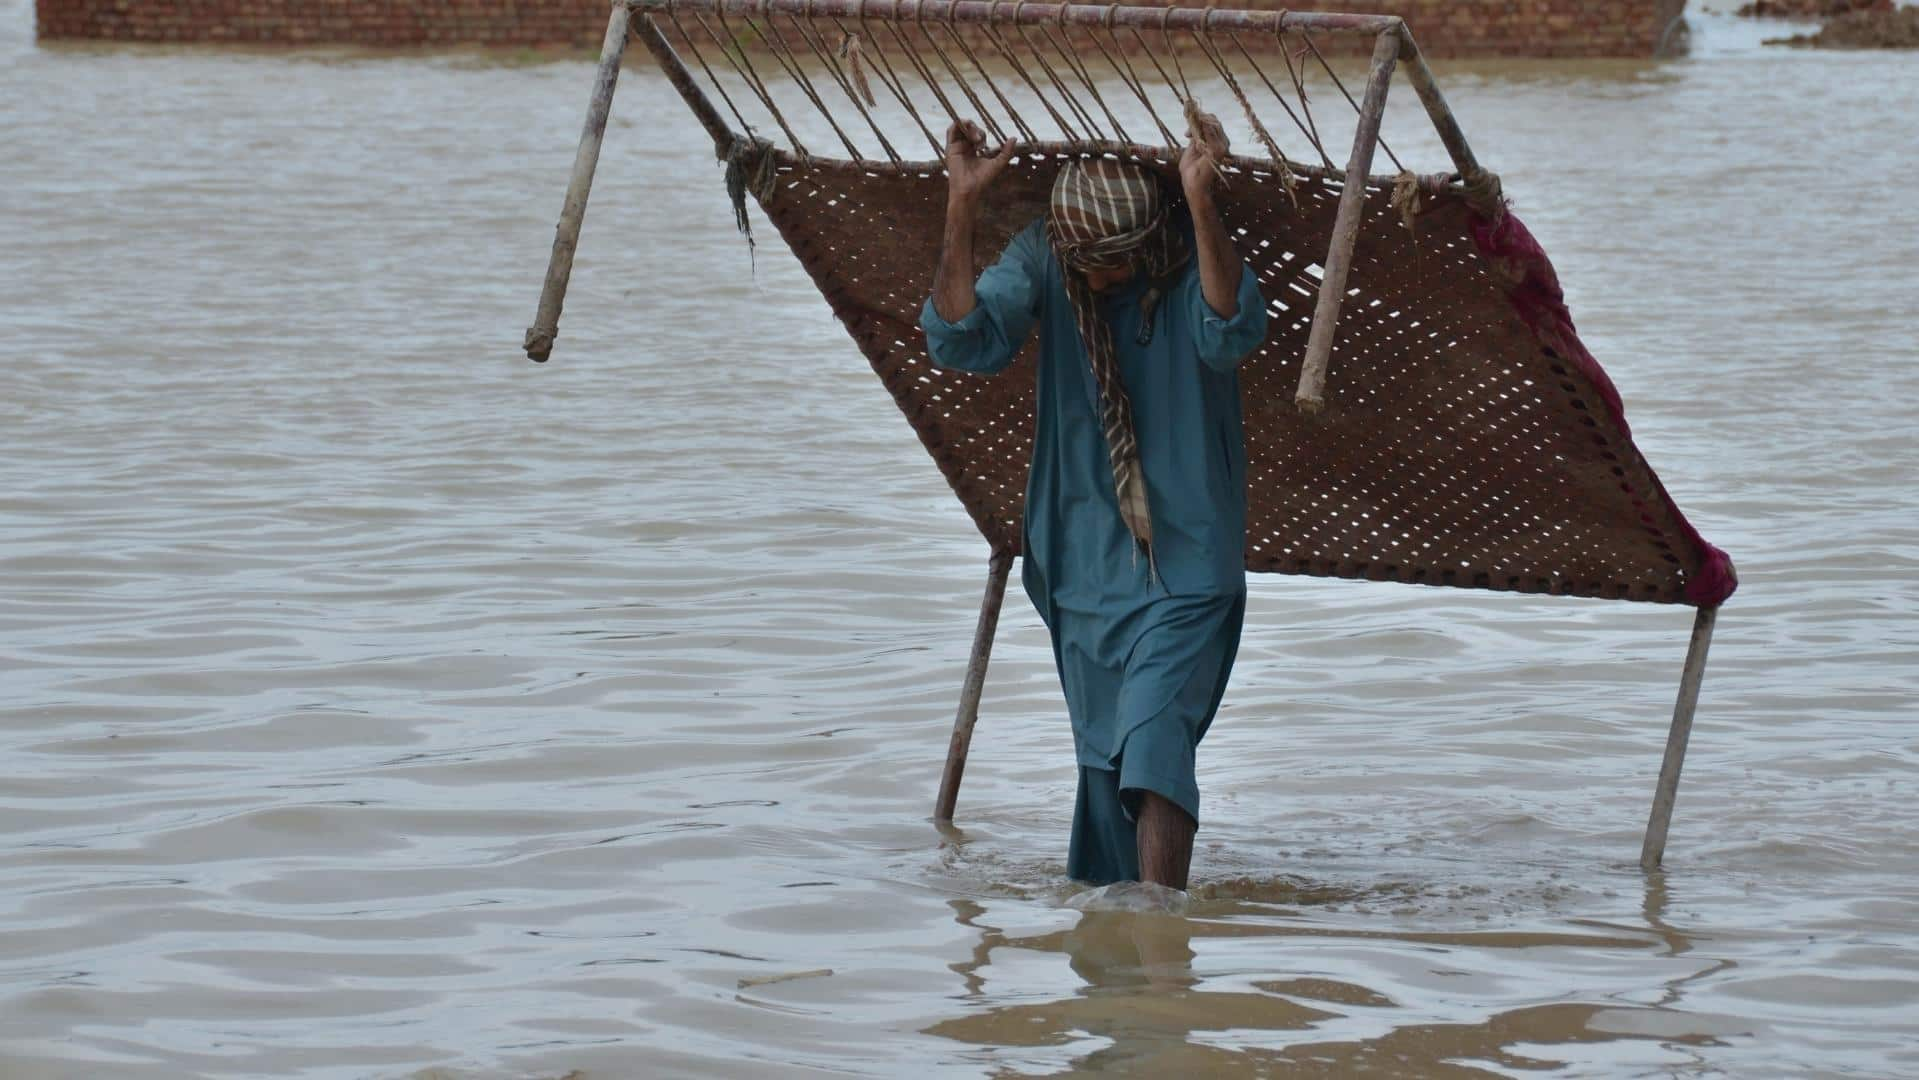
(970, 170)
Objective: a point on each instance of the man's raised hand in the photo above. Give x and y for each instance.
(970, 170)
(1206, 148)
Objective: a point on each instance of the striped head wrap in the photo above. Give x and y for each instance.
(1105, 215)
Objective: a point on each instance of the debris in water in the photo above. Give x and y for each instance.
(1863, 30)
(763, 980)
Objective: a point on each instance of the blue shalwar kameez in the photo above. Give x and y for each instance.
(1143, 664)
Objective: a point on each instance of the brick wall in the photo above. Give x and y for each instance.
(1545, 28)
(568, 24)
(1443, 27)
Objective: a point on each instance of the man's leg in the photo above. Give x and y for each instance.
(1157, 783)
(1191, 650)
(1165, 841)
(1104, 847)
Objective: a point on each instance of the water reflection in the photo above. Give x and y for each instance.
(1165, 994)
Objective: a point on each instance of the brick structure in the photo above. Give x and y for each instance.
(1544, 28)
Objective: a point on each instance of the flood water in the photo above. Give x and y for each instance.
(374, 703)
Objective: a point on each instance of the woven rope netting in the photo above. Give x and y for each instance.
(1467, 438)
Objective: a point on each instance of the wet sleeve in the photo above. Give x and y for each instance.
(987, 338)
(1223, 343)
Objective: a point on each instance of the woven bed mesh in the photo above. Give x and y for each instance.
(1457, 447)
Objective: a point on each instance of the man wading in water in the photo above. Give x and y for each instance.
(1135, 526)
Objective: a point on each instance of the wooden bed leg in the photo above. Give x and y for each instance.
(1444, 122)
(997, 569)
(1352, 206)
(546, 322)
(1655, 847)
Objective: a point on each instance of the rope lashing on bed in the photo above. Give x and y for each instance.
(1347, 94)
(1050, 67)
(747, 72)
(1296, 73)
(1123, 67)
(1011, 57)
(1485, 193)
(1019, 123)
(1405, 200)
(855, 59)
(1265, 137)
(1047, 58)
(751, 169)
(1080, 72)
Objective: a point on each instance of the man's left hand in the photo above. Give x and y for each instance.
(1206, 148)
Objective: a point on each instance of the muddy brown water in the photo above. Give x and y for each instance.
(373, 702)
